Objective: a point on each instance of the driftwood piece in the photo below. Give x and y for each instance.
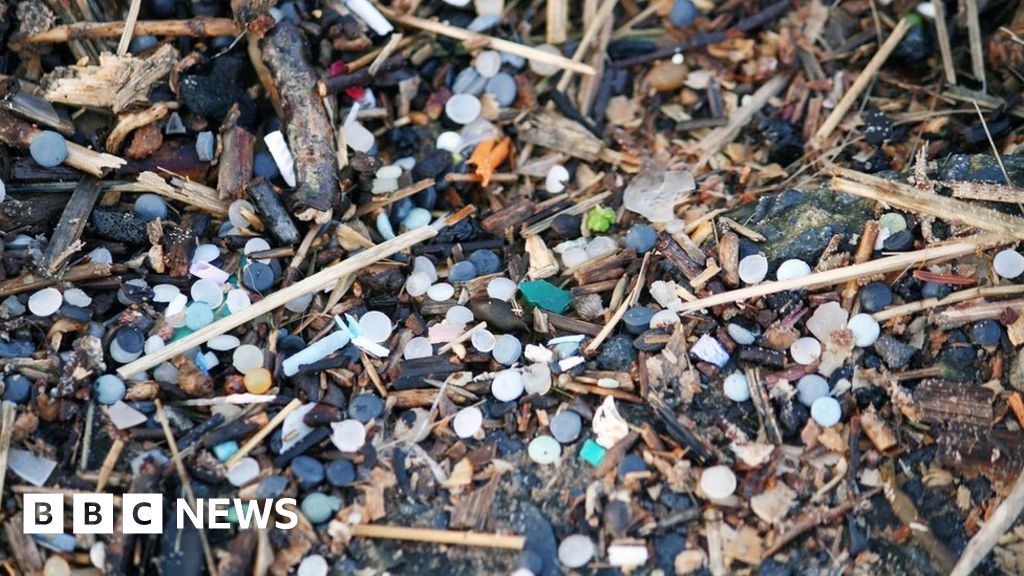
(30, 214)
(65, 240)
(273, 212)
(18, 133)
(558, 133)
(126, 123)
(199, 26)
(23, 547)
(116, 83)
(990, 451)
(309, 130)
(236, 154)
(944, 402)
(184, 191)
(180, 242)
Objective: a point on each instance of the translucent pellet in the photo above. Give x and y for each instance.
(417, 218)
(507, 349)
(376, 326)
(502, 289)
(199, 315)
(440, 292)
(176, 305)
(459, 315)
(826, 411)
(238, 300)
(348, 435)
(208, 291)
(482, 340)
(576, 551)
(507, 385)
(462, 108)
(242, 472)
(542, 68)
(425, 266)
(417, 284)
(299, 303)
(811, 387)
(247, 357)
(487, 63)
(235, 212)
(556, 179)
(101, 256)
(77, 297)
(312, 565)
(153, 343)
(120, 355)
(805, 350)
(791, 269)
(206, 253)
(544, 449)
(450, 141)
(1009, 263)
(537, 379)
(223, 342)
(390, 172)
(418, 347)
(753, 269)
(740, 335)
(45, 302)
(256, 245)
(164, 293)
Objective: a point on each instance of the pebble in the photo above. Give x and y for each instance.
(348, 435)
(865, 330)
(313, 565)
(308, 471)
(45, 302)
(566, 426)
(753, 268)
(826, 411)
(462, 271)
(502, 289)
(462, 108)
(419, 347)
(258, 380)
(507, 349)
(791, 269)
(150, 207)
(556, 179)
(718, 482)
(243, 471)
(986, 333)
(617, 354)
(341, 472)
(365, 407)
(319, 508)
(258, 277)
(246, 358)
(638, 319)
(109, 389)
(666, 76)
(875, 296)
(682, 14)
(1009, 263)
(48, 149)
(811, 387)
(894, 352)
(467, 422)
(736, 387)
(641, 238)
(440, 292)
(544, 450)
(507, 385)
(576, 551)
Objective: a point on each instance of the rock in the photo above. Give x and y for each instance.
(666, 76)
(617, 354)
(982, 168)
(118, 225)
(895, 353)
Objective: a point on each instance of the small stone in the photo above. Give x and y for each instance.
(243, 471)
(566, 426)
(752, 269)
(666, 76)
(1008, 263)
(641, 238)
(545, 295)
(467, 422)
(986, 333)
(365, 407)
(718, 482)
(341, 473)
(736, 387)
(348, 435)
(895, 353)
(811, 387)
(486, 261)
(826, 411)
(308, 471)
(791, 269)
(865, 330)
(576, 551)
(875, 296)
(109, 389)
(48, 149)
(507, 385)
(805, 350)
(258, 380)
(319, 508)
(617, 354)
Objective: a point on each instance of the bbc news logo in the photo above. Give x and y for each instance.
(144, 513)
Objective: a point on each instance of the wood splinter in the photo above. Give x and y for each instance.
(455, 537)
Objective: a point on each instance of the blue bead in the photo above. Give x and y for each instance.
(341, 473)
(682, 14)
(17, 389)
(263, 165)
(258, 277)
(48, 149)
(150, 207)
(462, 271)
(365, 407)
(638, 319)
(986, 333)
(109, 389)
(486, 262)
(308, 471)
(319, 508)
(271, 487)
(875, 296)
(641, 238)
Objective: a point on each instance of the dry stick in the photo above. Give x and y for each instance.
(498, 44)
(593, 30)
(395, 196)
(909, 198)
(7, 414)
(977, 48)
(986, 538)
(186, 483)
(454, 537)
(944, 46)
(197, 27)
(862, 81)
(462, 337)
(258, 437)
(626, 304)
(557, 21)
(129, 27)
(840, 275)
(320, 281)
(191, 193)
(986, 191)
(954, 298)
(719, 137)
(108, 464)
(66, 238)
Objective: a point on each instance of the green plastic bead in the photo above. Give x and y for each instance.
(600, 219)
(592, 452)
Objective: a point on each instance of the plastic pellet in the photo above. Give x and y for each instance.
(150, 207)
(206, 143)
(487, 63)
(238, 300)
(791, 269)
(459, 315)
(736, 387)
(417, 284)
(365, 407)
(462, 271)
(507, 349)
(440, 292)
(242, 472)
(805, 350)
(753, 269)
(556, 179)
(341, 473)
(865, 330)
(450, 141)
(314, 352)
(207, 291)
(206, 253)
(811, 387)
(462, 108)
(45, 302)
(826, 411)
(566, 426)
(576, 551)
(246, 358)
(482, 340)
(537, 379)
(319, 507)
(503, 88)
(467, 422)
(223, 342)
(376, 326)
(258, 380)
(109, 389)
(258, 277)
(1008, 263)
(348, 435)
(740, 335)
(507, 385)
(502, 289)
(544, 450)
(236, 210)
(543, 68)
(48, 149)
(313, 565)
(718, 482)
(418, 347)
(199, 315)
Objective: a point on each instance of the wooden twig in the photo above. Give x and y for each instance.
(986, 191)
(862, 81)
(907, 197)
(945, 48)
(309, 130)
(7, 414)
(65, 239)
(184, 191)
(378, 203)
(234, 166)
(557, 23)
(954, 298)
(719, 137)
(763, 405)
(129, 27)
(258, 437)
(809, 520)
(1001, 520)
(79, 273)
(491, 42)
(840, 275)
(186, 483)
(200, 26)
(108, 464)
(626, 305)
(128, 122)
(976, 43)
(452, 537)
(320, 281)
(595, 27)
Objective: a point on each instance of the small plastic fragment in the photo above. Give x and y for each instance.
(282, 156)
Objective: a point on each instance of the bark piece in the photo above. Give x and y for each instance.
(116, 83)
(273, 212)
(66, 237)
(235, 163)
